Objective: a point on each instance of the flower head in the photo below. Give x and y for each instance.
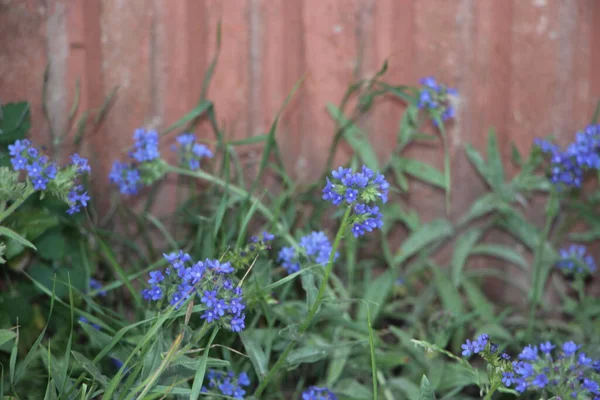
(315, 246)
(318, 393)
(434, 98)
(362, 191)
(45, 175)
(208, 280)
(568, 166)
(560, 374)
(191, 152)
(229, 384)
(576, 261)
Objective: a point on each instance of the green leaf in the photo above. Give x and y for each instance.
(307, 354)
(426, 391)
(110, 258)
(410, 390)
(255, 352)
(15, 236)
(14, 122)
(516, 157)
(478, 162)
(90, 368)
(357, 139)
(196, 112)
(6, 335)
(52, 244)
(310, 287)
(199, 377)
(422, 171)
(495, 167)
(483, 205)
(424, 236)
(375, 295)
(501, 252)
(449, 294)
(462, 249)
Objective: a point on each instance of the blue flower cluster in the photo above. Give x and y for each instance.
(576, 260)
(567, 168)
(318, 393)
(208, 280)
(131, 176)
(266, 237)
(315, 246)
(145, 146)
(359, 190)
(567, 373)
(433, 97)
(476, 346)
(192, 152)
(41, 173)
(227, 384)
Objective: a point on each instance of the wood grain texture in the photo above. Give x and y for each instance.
(527, 68)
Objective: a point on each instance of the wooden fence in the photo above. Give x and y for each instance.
(527, 67)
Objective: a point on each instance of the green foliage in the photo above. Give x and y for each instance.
(384, 321)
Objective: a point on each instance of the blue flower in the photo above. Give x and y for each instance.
(288, 258)
(155, 277)
(508, 378)
(467, 348)
(216, 266)
(228, 385)
(191, 152)
(19, 162)
(582, 359)
(237, 323)
(34, 169)
(547, 347)
(361, 190)
(433, 97)
(209, 298)
(39, 183)
(18, 147)
(81, 163)
(210, 316)
(569, 348)
(523, 369)
(575, 260)
(563, 373)
(591, 386)
(318, 393)
(540, 381)
(145, 146)
(219, 307)
(236, 305)
(94, 284)
(568, 167)
(77, 198)
(529, 353)
(126, 177)
(315, 246)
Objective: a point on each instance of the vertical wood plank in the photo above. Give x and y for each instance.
(23, 59)
(281, 38)
(229, 87)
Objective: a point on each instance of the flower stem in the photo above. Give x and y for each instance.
(537, 275)
(313, 310)
(16, 204)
